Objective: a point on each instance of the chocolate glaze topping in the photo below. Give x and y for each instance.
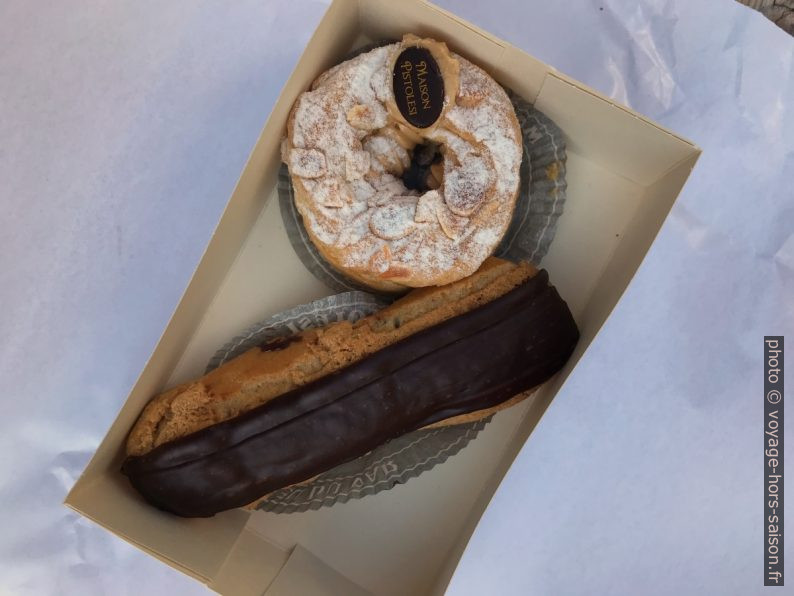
(471, 362)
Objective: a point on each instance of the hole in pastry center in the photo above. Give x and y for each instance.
(426, 171)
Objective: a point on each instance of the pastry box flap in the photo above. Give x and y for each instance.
(617, 138)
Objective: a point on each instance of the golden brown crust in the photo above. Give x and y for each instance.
(257, 376)
(347, 145)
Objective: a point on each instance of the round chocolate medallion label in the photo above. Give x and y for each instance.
(418, 86)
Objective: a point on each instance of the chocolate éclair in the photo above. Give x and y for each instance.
(284, 412)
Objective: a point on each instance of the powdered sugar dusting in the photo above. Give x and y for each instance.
(329, 192)
(468, 185)
(499, 135)
(475, 86)
(388, 152)
(356, 200)
(488, 236)
(395, 219)
(307, 163)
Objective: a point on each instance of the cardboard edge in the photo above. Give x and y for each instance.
(252, 564)
(587, 89)
(140, 546)
(305, 574)
(464, 23)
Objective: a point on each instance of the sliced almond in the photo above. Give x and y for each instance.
(466, 187)
(356, 165)
(436, 177)
(395, 219)
(381, 260)
(366, 117)
(453, 225)
(427, 206)
(307, 163)
(330, 192)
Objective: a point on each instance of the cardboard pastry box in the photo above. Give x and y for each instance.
(624, 173)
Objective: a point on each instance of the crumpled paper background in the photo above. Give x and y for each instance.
(124, 127)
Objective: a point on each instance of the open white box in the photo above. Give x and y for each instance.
(624, 173)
